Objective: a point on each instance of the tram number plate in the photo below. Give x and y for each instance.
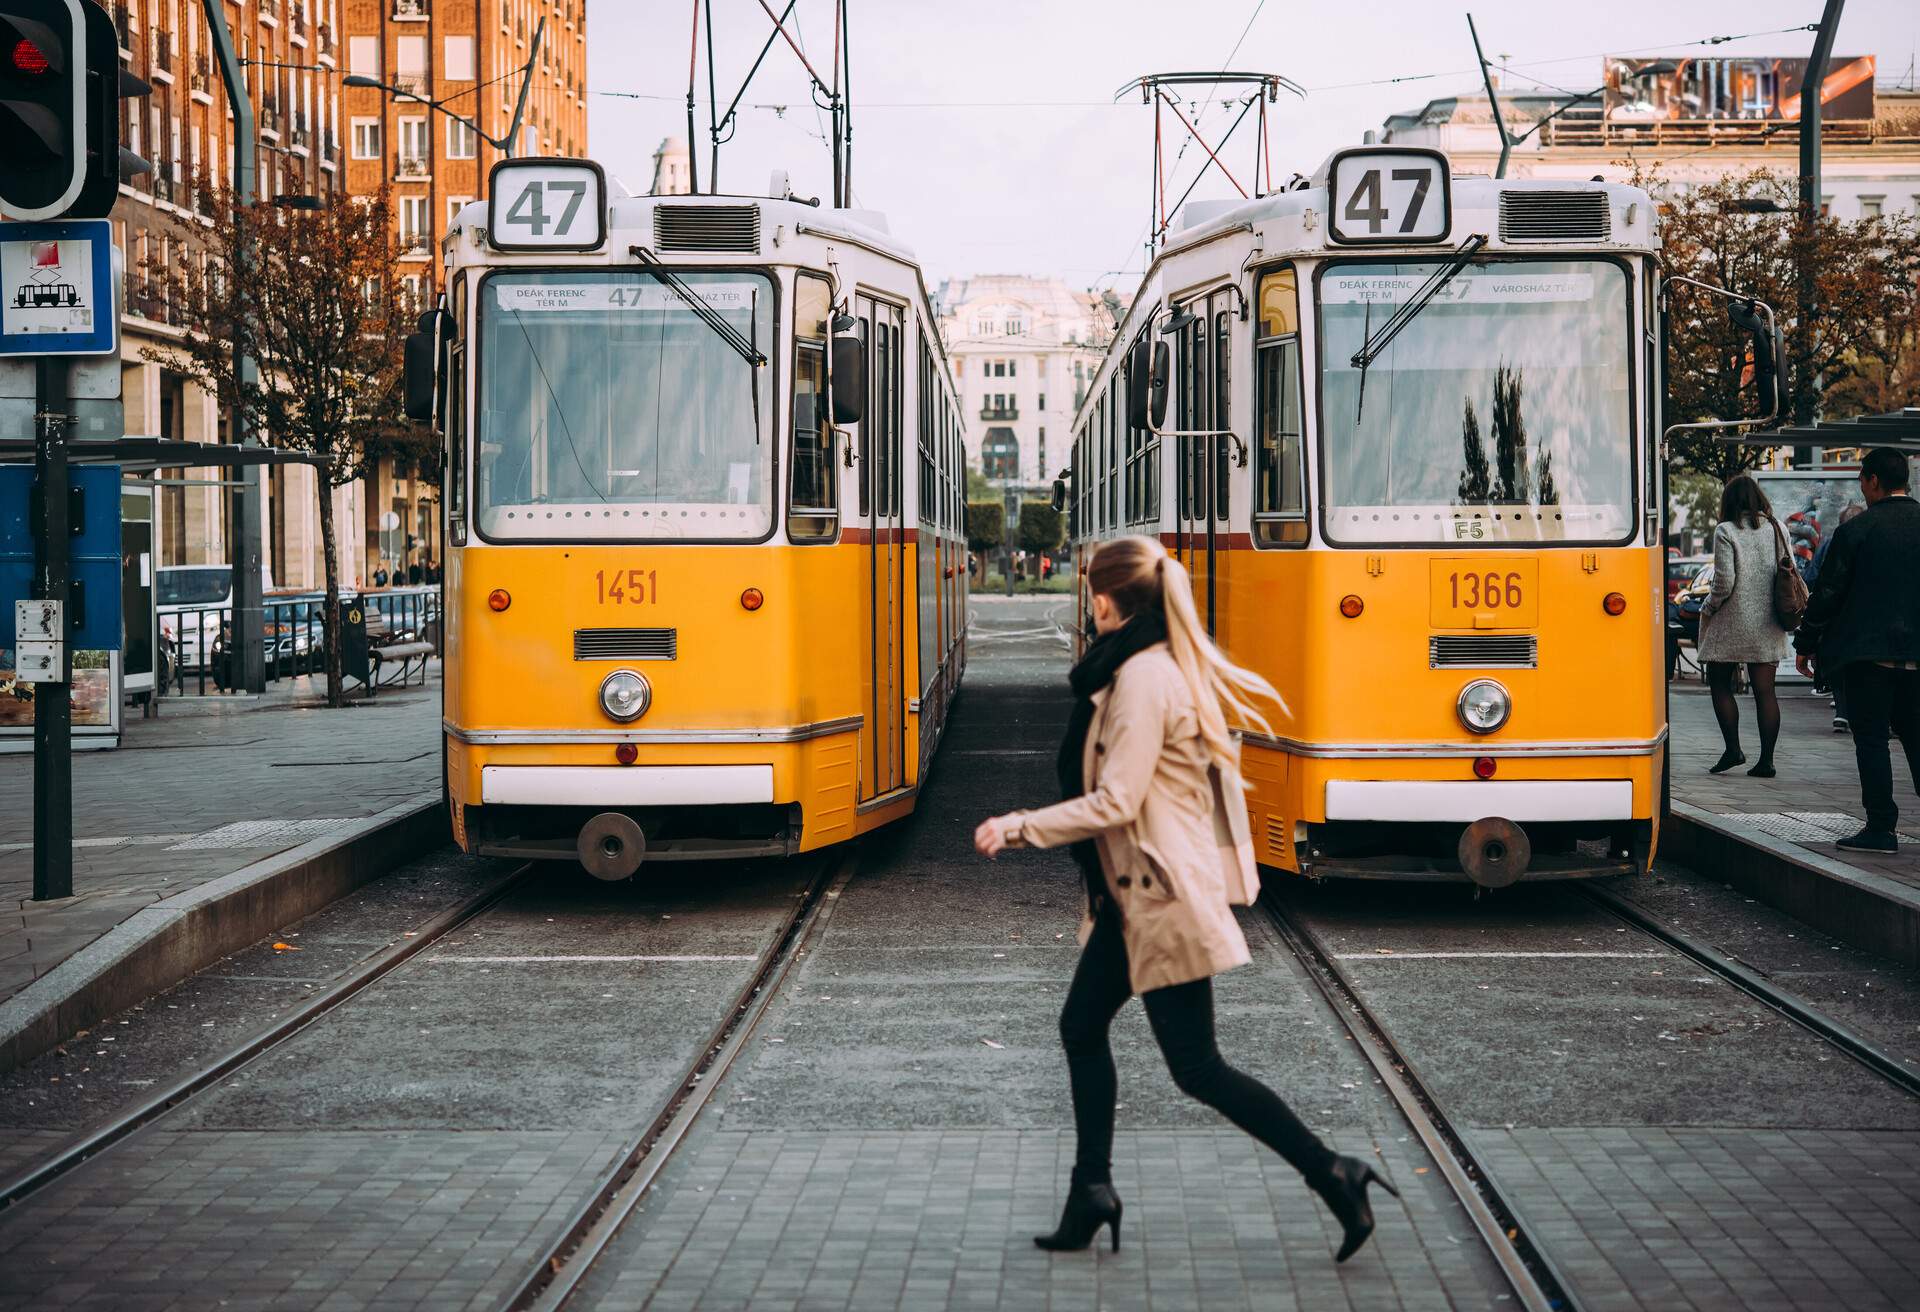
(1477, 592)
(632, 587)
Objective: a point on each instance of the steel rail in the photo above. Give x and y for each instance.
(1752, 983)
(369, 971)
(566, 1262)
(1537, 1283)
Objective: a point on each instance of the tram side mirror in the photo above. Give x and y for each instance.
(1059, 494)
(1148, 367)
(421, 356)
(1768, 352)
(849, 374)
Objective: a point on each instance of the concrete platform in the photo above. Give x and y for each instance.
(1774, 838)
(210, 825)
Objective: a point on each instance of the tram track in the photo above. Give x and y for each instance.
(1756, 986)
(1537, 1283)
(552, 1281)
(369, 971)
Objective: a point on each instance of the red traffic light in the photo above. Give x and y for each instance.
(26, 57)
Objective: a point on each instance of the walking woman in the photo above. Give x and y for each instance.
(1157, 818)
(1737, 624)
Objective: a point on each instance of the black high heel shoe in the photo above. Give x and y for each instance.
(1345, 1192)
(1088, 1208)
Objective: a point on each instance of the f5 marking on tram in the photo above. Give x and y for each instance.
(1404, 431)
(704, 522)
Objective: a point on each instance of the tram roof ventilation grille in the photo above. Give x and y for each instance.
(626, 644)
(1483, 651)
(734, 229)
(1554, 215)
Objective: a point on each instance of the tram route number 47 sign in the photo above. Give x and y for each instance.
(546, 205)
(56, 288)
(1380, 196)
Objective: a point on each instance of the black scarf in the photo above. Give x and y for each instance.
(1095, 671)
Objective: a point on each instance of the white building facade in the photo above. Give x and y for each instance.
(1023, 350)
(1711, 119)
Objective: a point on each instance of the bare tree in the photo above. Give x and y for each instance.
(320, 309)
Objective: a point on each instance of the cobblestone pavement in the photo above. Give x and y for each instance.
(902, 1125)
(1815, 797)
(196, 794)
(1672, 1142)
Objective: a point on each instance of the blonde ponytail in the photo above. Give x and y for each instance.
(1137, 573)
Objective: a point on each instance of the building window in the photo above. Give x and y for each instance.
(411, 55)
(366, 138)
(415, 153)
(363, 56)
(1013, 368)
(999, 368)
(460, 139)
(414, 232)
(986, 367)
(1000, 454)
(1040, 403)
(454, 205)
(458, 65)
(1014, 327)
(1871, 206)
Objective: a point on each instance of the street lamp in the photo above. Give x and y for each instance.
(519, 109)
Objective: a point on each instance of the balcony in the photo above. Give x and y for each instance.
(414, 244)
(123, 24)
(160, 54)
(410, 11)
(269, 11)
(1003, 412)
(412, 168)
(268, 119)
(412, 84)
(325, 33)
(200, 78)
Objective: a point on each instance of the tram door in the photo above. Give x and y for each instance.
(1201, 407)
(884, 733)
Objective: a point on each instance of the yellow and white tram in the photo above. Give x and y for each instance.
(705, 568)
(1403, 429)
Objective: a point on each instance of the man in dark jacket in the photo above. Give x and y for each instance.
(1862, 626)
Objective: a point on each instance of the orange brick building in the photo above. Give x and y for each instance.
(464, 53)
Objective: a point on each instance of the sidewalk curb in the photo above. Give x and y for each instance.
(1859, 907)
(158, 946)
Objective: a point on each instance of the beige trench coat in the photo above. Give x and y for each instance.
(1171, 827)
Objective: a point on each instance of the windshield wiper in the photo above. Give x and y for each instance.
(1374, 343)
(727, 333)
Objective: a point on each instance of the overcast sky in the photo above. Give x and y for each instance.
(986, 130)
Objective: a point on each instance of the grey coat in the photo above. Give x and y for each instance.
(1737, 623)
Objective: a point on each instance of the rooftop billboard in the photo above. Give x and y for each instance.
(1733, 87)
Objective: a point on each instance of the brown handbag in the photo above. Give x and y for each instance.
(1789, 589)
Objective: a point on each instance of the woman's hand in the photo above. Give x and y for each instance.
(990, 839)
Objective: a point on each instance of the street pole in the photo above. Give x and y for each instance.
(1810, 116)
(52, 701)
(249, 652)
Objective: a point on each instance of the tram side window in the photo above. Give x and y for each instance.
(1113, 456)
(456, 435)
(1221, 419)
(1279, 475)
(1193, 415)
(812, 514)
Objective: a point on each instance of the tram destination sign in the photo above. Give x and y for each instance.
(546, 205)
(1379, 196)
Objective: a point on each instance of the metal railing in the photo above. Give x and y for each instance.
(161, 56)
(411, 166)
(409, 8)
(196, 641)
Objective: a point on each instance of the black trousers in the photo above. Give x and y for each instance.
(1882, 701)
(1182, 1020)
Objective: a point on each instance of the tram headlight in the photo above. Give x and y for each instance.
(625, 695)
(1484, 706)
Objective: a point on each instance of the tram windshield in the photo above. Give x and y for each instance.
(607, 408)
(1501, 413)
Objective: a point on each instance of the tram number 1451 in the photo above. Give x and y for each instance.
(634, 587)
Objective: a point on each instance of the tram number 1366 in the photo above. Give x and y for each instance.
(1488, 591)
(634, 587)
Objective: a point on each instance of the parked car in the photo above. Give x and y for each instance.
(1681, 571)
(1683, 613)
(195, 605)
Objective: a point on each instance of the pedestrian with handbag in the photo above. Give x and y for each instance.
(1862, 633)
(1156, 815)
(1740, 623)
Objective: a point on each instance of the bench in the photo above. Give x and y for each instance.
(404, 654)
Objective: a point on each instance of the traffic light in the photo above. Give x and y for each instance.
(60, 89)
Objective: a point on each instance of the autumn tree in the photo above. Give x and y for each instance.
(312, 296)
(1855, 354)
(1476, 476)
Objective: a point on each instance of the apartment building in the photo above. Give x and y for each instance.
(185, 129)
(1023, 350)
(466, 55)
